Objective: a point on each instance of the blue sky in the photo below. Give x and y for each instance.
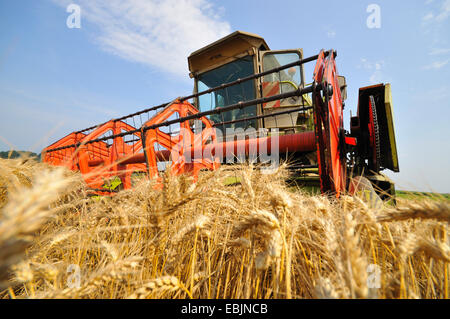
(129, 55)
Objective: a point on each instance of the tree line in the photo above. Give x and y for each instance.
(17, 154)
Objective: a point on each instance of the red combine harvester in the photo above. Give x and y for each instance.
(247, 100)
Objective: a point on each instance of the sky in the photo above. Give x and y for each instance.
(131, 54)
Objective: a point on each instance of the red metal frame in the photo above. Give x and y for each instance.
(177, 145)
(328, 124)
(63, 157)
(98, 162)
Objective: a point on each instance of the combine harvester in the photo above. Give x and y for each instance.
(247, 100)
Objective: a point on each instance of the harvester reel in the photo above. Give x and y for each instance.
(328, 123)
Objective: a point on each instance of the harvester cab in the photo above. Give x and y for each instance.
(240, 55)
(245, 90)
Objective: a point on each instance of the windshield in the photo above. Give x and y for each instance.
(240, 92)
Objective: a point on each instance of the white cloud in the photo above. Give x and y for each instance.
(376, 77)
(445, 11)
(436, 94)
(436, 65)
(157, 33)
(366, 64)
(73, 100)
(331, 34)
(439, 51)
(434, 26)
(429, 16)
(375, 69)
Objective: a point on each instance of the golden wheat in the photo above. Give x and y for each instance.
(254, 239)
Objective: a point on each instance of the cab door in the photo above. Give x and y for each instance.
(284, 81)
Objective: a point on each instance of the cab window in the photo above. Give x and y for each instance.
(240, 92)
(284, 81)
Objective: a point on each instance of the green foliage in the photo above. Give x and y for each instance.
(17, 154)
(421, 195)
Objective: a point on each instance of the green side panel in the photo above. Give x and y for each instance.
(390, 126)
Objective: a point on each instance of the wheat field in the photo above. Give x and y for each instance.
(258, 239)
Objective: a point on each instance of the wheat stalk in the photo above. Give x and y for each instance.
(162, 284)
(438, 210)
